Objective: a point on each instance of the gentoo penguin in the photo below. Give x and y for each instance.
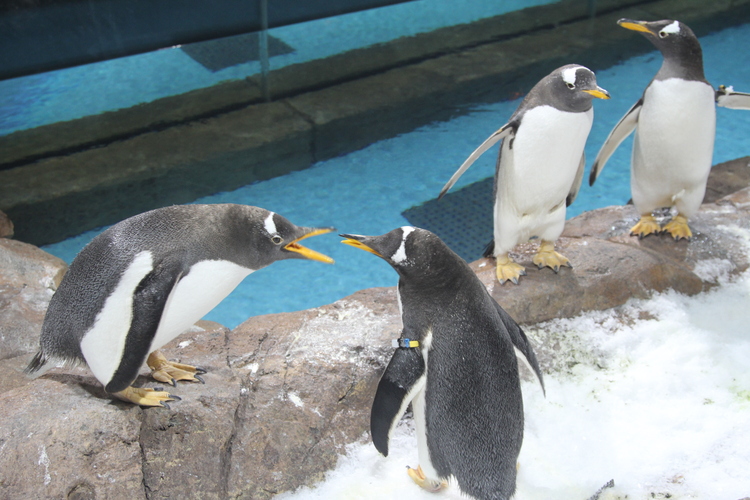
(675, 126)
(726, 97)
(455, 362)
(145, 280)
(540, 166)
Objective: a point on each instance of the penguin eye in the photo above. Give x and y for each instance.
(663, 34)
(277, 239)
(571, 86)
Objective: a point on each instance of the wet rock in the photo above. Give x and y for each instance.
(6, 226)
(28, 277)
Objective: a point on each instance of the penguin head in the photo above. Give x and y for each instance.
(413, 252)
(675, 40)
(278, 239)
(572, 88)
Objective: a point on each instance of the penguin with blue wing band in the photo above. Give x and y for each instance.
(147, 279)
(540, 167)
(456, 364)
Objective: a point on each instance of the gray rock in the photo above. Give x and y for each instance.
(28, 277)
(285, 393)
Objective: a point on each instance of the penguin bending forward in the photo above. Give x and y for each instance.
(540, 166)
(455, 363)
(675, 127)
(147, 279)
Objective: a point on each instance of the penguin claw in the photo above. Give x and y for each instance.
(145, 396)
(507, 270)
(170, 372)
(432, 485)
(678, 228)
(646, 225)
(548, 257)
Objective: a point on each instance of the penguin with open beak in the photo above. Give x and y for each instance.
(455, 363)
(147, 279)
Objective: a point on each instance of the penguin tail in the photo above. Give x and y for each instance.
(38, 366)
(489, 250)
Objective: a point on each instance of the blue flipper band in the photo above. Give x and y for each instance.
(405, 343)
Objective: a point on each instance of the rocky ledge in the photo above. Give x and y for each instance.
(285, 393)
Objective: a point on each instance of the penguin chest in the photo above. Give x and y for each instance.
(674, 138)
(538, 167)
(207, 284)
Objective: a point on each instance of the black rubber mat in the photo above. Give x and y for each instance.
(222, 53)
(462, 218)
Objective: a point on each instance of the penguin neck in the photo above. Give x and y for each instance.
(686, 64)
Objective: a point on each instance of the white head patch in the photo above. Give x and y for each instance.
(672, 28)
(400, 255)
(269, 224)
(569, 75)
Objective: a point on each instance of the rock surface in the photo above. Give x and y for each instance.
(285, 393)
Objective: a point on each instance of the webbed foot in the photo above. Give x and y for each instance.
(547, 257)
(647, 225)
(507, 270)
(431, 485)
(146, 397)
(170, 372)
(678, 228)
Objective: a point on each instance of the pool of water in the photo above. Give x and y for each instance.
(91, 89)
(366, 191)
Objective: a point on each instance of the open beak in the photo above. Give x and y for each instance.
(305, 252)
(598, 92)
(629, 24)
(351, 240)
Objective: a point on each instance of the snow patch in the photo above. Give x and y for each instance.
(654, 394)
(713, 270)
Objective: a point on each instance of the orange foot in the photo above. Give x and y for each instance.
(549, 258)
(678, 228)
(431, 485)
(647, 225)
(507, 270)
(169, 372)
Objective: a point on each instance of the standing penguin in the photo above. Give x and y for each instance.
(147, 279)
(455, 363)
(675, 126)
(540, 166)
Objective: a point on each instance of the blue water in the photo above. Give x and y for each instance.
(71, 93)
(366, 191)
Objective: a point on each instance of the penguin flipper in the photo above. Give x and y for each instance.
(521, 343)
(149, 301)
(576, 182)
(402, 380)
(502, 132)
(624, 128)
(726, 97)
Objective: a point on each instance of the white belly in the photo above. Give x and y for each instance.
(674, 143)
(104, 343)
(536, 175)
(195, 295)
(207, 284)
